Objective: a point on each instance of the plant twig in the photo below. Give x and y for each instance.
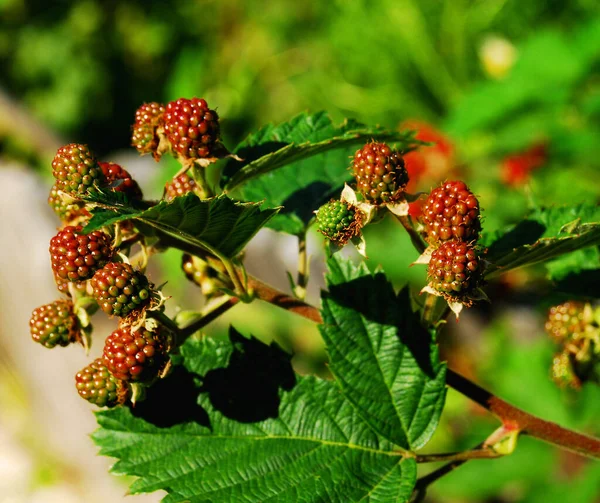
(486, 453)
(206, 317)
(273, 296)
(526, 423)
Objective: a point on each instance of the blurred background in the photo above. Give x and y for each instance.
(507, 91)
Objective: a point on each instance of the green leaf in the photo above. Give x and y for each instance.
(188, 223)
(251, 432)
(300, 164)
(547, 234)
(383, 359)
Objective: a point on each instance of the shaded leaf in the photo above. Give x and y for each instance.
(384, 360)
(311, 447)
(187, 222)
(548, 234)
(301, 164)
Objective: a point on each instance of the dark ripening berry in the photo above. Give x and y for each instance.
(380, 173)
(567, 321)
(148, 118)
(454, 270)
(54, 324)
(338, 221)
(76, 170)
(98, 386)
(119, 289)
(120, 180)
(192, 128)
(451, 212)
(135, 355)
(76, 256)
(179, 186)
(67, 212)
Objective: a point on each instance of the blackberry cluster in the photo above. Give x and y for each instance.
(192, 128)
(454, 270)
(567, 321)
(119, 290)
(135, 355)
(148, 119)
(97, 385)
(209, 279)
(380, 173)
(76, 256)
(54, 324)
(76, 170)
(451, 212)
(572, 325)
(339, 221)
(119, 180)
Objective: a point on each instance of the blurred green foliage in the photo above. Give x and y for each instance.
(83, 68)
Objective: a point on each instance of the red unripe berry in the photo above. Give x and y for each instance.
(451, 212)
(76, 256)
(135, 355)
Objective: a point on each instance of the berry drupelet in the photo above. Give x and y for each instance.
(137, 355)
(54, 324)
(451, 212)
(119, 289)
(76, 256)
(380, 173)
(98, 386)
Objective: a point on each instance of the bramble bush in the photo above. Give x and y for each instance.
(211, 420)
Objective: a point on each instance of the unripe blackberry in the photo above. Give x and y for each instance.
(206, 277)
(339, 221)
(135, 355)
(179, 186)
(98, 386)
(76, 170)
(120, 180)
(54, 324)
(451, 212)
(67, 212)
(454, 269)
(563, 371)
(380, 173)
(119, 289)
(192, 128)
(76, 256)
(148, 118)
(567, 321)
